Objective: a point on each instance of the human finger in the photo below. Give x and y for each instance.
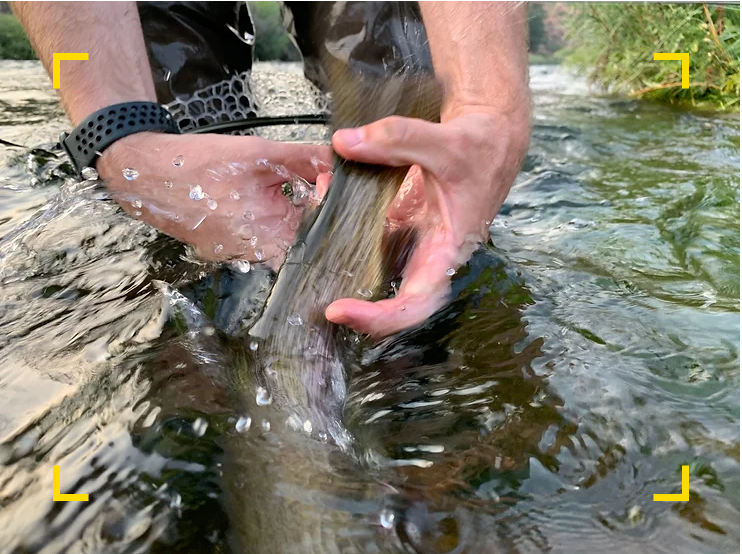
(384, 317)
(397, 141)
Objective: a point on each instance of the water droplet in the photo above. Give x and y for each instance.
(254, 242)
(366, 293)
(386, 518)
(248, 215)
(322, 436)
(243, 266)
(196, 193)
(89, 173)
(294, 319)
(259, 254)
(130, 173)
(212, 204)
(254, 346)
(199, 426)
(229, 214)
(234, 195)
(266, 425)
(263, 397)
(308, 427)
(209, 331)
(168, 184)
(243, 424)
(176, 501)
(450, 271)
(137, 203)
(178, 161)
(218, 248)
(137, 213)
(300, 193)
(403, 308)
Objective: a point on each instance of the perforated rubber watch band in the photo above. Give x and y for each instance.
(104, 127)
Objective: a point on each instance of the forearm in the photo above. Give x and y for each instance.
(480, 53)
(110, 32)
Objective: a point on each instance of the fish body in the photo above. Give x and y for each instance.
(300, 489)
(338, 252)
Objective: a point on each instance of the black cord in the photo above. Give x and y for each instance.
(243, 124)
(11, 144)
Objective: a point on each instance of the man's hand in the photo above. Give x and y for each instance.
(229, 170)
(225, 198)
(462, 171)
(462, 167)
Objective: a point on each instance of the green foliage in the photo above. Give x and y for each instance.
(272, 41)
(14, 44)
(545, 59)
(615, 45)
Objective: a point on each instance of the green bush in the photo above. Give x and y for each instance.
(272, 41)
(615, 45)
(14, 44)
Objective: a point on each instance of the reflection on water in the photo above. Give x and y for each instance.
(591, 352)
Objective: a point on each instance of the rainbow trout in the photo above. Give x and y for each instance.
(300, 489)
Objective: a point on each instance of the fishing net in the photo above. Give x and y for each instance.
(269, 90)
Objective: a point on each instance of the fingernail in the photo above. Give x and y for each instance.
(336, 316)
(350, 137)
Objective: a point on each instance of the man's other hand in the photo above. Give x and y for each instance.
(461, 173)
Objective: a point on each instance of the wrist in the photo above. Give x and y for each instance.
(82, 94)
(85, 104)
(515, 109)
(511, 126)
(104, 128)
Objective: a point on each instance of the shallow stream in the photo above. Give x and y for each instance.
(595, 350)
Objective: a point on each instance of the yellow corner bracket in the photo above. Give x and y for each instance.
(57, 496)
(682, 497)
(59, 57)
(680, 56)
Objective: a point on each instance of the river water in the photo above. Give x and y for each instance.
(593, 352)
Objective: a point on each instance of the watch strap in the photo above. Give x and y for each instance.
(104, 127)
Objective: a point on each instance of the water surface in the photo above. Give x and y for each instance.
(594, 349)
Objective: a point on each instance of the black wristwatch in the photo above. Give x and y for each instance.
(104, 127)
